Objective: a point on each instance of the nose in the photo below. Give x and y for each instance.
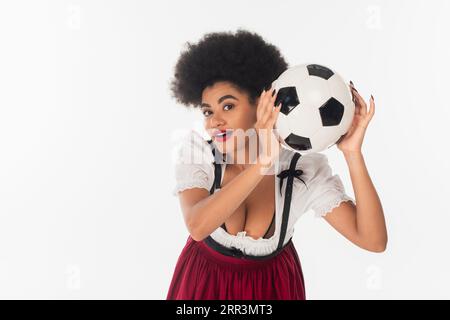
(216, 120)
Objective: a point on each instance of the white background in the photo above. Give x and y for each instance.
(86, 137)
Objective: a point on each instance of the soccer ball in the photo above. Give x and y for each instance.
(317, 108)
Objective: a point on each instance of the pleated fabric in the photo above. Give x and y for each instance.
(202, 273)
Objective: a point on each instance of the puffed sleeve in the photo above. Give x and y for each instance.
(194, 167)
(324, 191)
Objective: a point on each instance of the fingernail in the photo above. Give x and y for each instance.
(351, 82)
(372, 97)
(273, 92)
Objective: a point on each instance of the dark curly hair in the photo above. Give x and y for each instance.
(243, 58)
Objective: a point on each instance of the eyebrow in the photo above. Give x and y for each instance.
(205, 105)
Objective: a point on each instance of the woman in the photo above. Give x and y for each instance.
(241, 214)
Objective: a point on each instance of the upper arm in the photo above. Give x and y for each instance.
(326, 196)
(343, 219)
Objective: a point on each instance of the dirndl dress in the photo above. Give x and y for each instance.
(207, 270)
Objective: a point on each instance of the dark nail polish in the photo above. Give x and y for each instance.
(351, 82)
(372, 97)
(273, 92)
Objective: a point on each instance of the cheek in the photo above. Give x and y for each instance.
(252, 118)
(248, 118)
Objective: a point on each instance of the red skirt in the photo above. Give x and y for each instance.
(202, 273)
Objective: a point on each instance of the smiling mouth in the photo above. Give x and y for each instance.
(222, 136)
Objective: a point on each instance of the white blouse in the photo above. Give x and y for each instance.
(194, 168)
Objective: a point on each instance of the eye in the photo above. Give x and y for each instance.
(204, 113)
(225, 106)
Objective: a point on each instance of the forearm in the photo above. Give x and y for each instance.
(211, 212)
(370, 222)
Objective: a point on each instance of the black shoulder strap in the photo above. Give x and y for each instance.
(217, 175)
(217, 171)
(290, 174)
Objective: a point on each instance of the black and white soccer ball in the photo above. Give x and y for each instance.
(317, 108)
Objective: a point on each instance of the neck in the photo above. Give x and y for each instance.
(241, 159)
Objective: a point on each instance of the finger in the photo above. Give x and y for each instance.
(258, 106)
(275, 111)
(268, 97)
(273, 119)
(269, 107)
(267, 115)
(271, 102)
(361, 101)
(261, 110)
(275, 114)
(357, 107)
(372, 106)
(350, 86)
(266, 111)
(356, 103)
(352, 89)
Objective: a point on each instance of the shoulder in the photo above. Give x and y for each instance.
(313, 160)
(194, 163)
(312, 165)
(192, 148)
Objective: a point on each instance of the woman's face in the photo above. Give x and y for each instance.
(226, 108)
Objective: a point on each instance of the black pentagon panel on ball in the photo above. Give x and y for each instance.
(298, 142)
(319, 71)
(331, 112)
(288, 98)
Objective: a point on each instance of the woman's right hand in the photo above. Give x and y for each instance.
(267, 115)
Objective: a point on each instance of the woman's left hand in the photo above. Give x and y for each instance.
(353, 139)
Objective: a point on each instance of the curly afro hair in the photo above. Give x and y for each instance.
(243, 58)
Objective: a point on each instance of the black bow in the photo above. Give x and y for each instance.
(287, 173)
